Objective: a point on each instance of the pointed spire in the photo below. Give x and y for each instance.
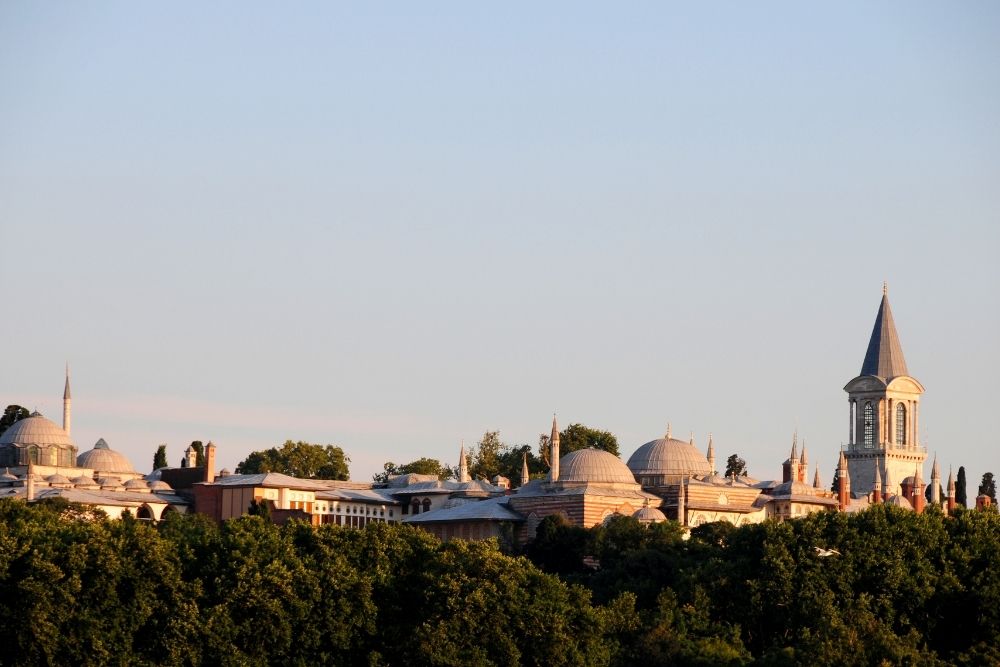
(524, 469)
(935, 470)
(66, 391)
(463, 464)
(794, 457)
(668, 435)
(951, 483)
(884, 357)
(889, 488)
(816, 482)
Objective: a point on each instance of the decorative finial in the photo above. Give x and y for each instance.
(668, 431)
(885, 288)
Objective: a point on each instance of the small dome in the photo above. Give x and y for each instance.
(899, 501)
(35, 430)
(83, 480)
(159, 485)
(225, 472)
(104, 459)
(109, 481)
(649, 515)
(594, 465)
(668, 456)
(57, 479)
(7, 476)
(794, 488)
(136, 484)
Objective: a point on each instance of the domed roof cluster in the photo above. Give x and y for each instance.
(35, 430)
(594, 465)
(104, 459)
(649, 515)
(668, 456)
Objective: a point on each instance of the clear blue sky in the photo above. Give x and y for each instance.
(393, 227)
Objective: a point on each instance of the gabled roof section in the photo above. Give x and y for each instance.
(884, 357)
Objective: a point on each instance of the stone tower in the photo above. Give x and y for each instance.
(884, 405)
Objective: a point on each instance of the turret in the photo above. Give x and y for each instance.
(919, 501)
(790, 469)
(951, 492)
(67, 402)
(554, 456)
(843, 483)
(463, 464)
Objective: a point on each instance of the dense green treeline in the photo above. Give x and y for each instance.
(902, 589)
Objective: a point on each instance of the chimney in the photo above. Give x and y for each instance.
(210, 462)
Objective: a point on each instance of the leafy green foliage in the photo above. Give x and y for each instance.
(578, 436)
(491, 456)
(988, 487)
(160, 457)
(299, 459)
(735, 466)
(961, 488)
(422, 466)
(199, 451)
(12, 414)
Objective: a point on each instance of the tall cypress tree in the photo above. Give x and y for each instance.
(960, 496)
(160, 457)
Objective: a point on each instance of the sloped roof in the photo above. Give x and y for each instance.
(494, 509)
(884, 357)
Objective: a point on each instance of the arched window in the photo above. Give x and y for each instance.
(144, 513)
(900, 424)
(869, 425)
(427, 504)
(416, 506)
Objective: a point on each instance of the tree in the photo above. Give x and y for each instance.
(484, 457)
(298, 459)
(160, 457)
(578, 436)
(961, 496)
(735, 466)
(422, 466)
(988, 487)
(199, 450)
(13, 413)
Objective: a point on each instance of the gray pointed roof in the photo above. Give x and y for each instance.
(884, 357)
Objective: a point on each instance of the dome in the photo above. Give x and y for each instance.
(57, 479)
(668, 456)
(899, 501)
(594, 465)
(105, 459)
(649, 515)
(159, 485)
(35, 430)
(109, 481)
(137, 484)
(83, 480)
(794, 488)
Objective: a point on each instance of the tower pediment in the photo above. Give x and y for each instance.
(865, 383)
(905, 383)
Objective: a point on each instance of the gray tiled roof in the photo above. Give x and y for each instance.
(494, 509)
(884, 357)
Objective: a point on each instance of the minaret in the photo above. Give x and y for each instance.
(935, 482)
(889, 489)
(554, 456)
(951, 492)
(877, 487)
(524, 469)
(711, 455)
(843, 483)
(681, 511)
(67, 400)
(816, 483)
(804, 464)
(463, 464)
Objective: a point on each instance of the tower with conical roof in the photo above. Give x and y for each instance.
(463, 465)
(524, 469)
(67, 401)
(883, 402)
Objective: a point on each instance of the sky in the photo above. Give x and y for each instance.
(395, 226)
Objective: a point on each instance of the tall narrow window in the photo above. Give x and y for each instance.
(869, 414)
(900, 424)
